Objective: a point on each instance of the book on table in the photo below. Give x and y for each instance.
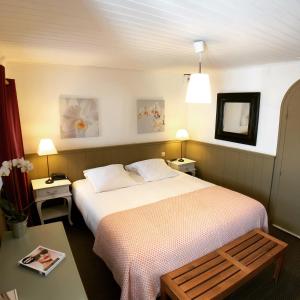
(42, 259)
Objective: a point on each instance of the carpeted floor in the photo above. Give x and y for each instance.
(99, 283)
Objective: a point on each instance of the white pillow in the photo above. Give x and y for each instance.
(107, 178)
(152, 169)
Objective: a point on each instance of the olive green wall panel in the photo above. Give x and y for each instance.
(244, 171)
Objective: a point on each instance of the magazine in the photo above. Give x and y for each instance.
(42, 259)
(9, 295)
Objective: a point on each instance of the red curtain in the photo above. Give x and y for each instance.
(16, 185)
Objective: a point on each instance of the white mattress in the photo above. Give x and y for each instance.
(95, 206)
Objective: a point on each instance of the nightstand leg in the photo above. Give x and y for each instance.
(69, 199)
(39, 209)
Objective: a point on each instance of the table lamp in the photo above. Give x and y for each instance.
(46, 147)
(182, 135)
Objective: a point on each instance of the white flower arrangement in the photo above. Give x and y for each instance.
(20, 163)
(12, 213)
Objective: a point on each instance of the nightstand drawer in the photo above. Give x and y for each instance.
(52, 192)
(183, 167)
(187, 168)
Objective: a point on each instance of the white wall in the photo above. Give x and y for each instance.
(40, 85)
(272, 80)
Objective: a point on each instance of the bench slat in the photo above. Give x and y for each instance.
(205, 276)
(212, 282)
(223, 288)
(264, 260)
(272, 238)
(251, 249)
(244, 245)
(258, 253)
(197, 271)
(194, 264)
(238, 241)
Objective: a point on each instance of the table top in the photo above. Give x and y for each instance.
(185, 161)
(38, 184)
(61, 283)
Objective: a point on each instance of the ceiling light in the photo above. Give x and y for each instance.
(198, 90)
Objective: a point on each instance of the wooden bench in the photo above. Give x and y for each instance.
(218, 274)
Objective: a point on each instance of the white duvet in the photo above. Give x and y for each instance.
(95, 206)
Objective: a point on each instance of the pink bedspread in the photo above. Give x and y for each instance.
(141, 244)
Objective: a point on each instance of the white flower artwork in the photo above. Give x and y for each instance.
(150, 116)
(79, 117)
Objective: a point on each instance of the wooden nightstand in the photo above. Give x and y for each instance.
(186, 166)
(44, 192)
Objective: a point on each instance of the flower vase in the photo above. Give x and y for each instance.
(18, 228)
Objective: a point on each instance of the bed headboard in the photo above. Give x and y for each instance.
(73, 162)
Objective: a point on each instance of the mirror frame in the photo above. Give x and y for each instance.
(252, 98)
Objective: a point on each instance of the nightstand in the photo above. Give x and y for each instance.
(186, 166)
(58, 189)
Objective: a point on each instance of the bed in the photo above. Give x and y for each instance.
(151, 228)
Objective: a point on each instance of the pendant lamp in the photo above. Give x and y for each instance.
(198, 90)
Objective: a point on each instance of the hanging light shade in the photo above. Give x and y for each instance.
(198, 90)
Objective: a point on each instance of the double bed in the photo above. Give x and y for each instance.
(151, 228)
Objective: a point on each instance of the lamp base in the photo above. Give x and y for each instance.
(180, 159)
(49, 180)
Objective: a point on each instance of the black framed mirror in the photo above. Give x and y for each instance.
(237, 117)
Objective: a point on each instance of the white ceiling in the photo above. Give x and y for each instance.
(149, 34)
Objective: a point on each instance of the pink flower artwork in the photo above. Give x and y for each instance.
(150, 116)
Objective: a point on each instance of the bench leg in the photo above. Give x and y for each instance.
(278, 267)
(163, 292)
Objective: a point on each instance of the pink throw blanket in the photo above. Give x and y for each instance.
(141, 244)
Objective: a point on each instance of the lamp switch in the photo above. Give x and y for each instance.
(163, 154)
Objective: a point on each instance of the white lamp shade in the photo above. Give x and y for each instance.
(198, 90)
(182, 134)
(46, 147)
